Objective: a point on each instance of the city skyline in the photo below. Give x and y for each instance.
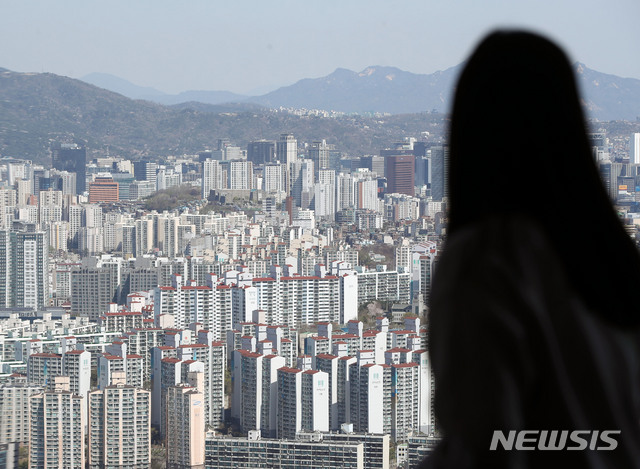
(252, 47)
(275, 312)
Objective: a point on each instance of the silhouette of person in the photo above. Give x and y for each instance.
(534, 315)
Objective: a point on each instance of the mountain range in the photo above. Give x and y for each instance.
(389, 90)
(37, 109)
(130, 90)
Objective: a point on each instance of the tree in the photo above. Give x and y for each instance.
(368, 312)
(23, 457)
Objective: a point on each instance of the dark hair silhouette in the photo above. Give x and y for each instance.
(519, 147)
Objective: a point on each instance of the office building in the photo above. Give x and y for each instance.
(287, 149)
(374, 164)
(319, 154)
(103, 189)
(145, 171)
(124, 180)
(71, 158)
(261, 152)
(440, 172)
(205, 155)
(141, 189)
(423, 170)
(302, 179)
(399, 171)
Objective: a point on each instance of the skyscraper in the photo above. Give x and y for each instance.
(72, 158)
(145, 171)
(373, 163)
(399, 170)
(440, 174)
(302, 182)
(261, 152)
(345, 191)
(634, 148)
(287, 149)
(319, 153)
(213, 177)
(275, 178)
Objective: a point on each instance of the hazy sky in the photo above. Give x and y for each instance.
(242, 45)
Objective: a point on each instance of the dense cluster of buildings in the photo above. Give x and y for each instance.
(270, 329)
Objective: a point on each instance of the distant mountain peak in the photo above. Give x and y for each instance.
(382, 71)
(390, 89)
(374, 89)
(367, 72)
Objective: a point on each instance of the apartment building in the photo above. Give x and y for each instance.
(185, 424)
(258, 453)
(57, 428)
(14, 411)
(120, 426)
